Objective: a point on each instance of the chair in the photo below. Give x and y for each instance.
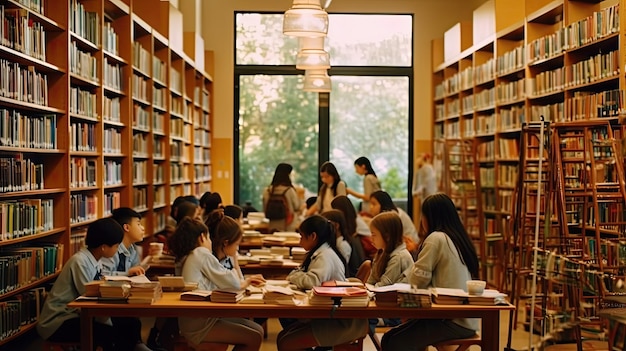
(60, 346)
(374, 337)
(364, 271)
(181, 344)
(461, 344)
(356, 345)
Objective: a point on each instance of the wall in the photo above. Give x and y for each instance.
(431, 19)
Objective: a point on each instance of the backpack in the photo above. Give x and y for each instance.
(277, 207)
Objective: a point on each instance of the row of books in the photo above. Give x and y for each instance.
(112, 76)
(592, 28)
(112, 141)
(140, 88)
(140, 144)
(27, 130)
(21, 33)
(141, 118)
(112, 201)
(21, 310)
(140, 199)
(83, 63)
(83, 208)
(20, 174)
(110, 39)
(83, 102)
(82, 172)
(112, 172)
(82, 136)
(25, 217)
(111, 111)
(23, 83)
(83, 23)
(141, 58)
(135, 289)
(20, 266)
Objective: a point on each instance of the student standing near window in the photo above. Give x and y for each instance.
(446, 259)
(424, 180)
(363, 166)
(332, 186)
(282, 187)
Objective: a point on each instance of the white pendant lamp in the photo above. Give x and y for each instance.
(317, 80)
(305, 18)
(312, 54)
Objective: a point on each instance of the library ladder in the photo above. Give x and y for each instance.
(593, 195)
(534, 199)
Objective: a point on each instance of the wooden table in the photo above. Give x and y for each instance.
(171, 306)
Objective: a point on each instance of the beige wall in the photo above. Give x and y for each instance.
(431, 19)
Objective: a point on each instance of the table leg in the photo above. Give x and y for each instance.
(490, 330)
(86, 330)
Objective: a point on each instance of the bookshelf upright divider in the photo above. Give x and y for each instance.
(90, 131)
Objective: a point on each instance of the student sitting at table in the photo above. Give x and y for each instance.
(126, 262)
(392, 258)
(192, 245)
(323, 262)
(58, 323)
(349, 246)
(235, 212)
(446, 259)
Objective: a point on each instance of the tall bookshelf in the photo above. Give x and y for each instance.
(559, 59)
(89, 131)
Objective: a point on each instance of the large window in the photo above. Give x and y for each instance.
(368, 113)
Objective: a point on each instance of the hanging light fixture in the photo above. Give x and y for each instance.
(316, 80)
(305, 18)
(312, 54)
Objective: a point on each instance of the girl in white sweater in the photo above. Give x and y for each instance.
(446, 259)
(191, 244)
(323, 262)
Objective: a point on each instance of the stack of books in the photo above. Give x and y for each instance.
(114, 290)
(196, 295)
(388, 295)
(298, 254)
(145, 293)
(418, 298)
(227, 295)
(344, 296)
(279, 295)
(446, 296)
(93, 288)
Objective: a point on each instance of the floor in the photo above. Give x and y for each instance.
(520, 339)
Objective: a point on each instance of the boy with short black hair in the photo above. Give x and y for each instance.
(126, 262)
(57, 322)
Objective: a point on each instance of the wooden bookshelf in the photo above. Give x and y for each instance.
(94, 130)
(559, 59)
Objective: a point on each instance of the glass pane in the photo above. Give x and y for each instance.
(277, 123)
(353, 40)
(370, 40)
(260, 40)
(369, 116)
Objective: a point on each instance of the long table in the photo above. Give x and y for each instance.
(170, 305)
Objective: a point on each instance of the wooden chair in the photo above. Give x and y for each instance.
(458, 344)
(181, 344)
(364, 271)
(60, 346)
(356, 345)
